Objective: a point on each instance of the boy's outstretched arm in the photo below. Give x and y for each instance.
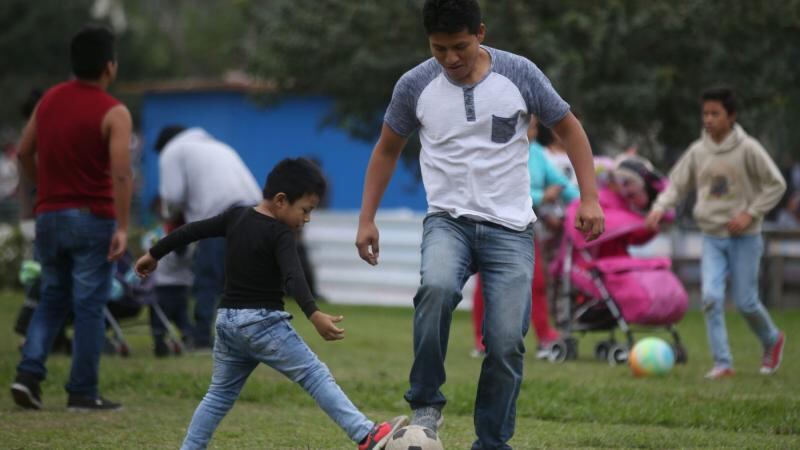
(681, 180)
(379, 171)
(589, 218)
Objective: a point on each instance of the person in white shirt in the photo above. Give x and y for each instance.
(201, 177)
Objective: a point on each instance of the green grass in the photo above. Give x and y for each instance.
(582, 404)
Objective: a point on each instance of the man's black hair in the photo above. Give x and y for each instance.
(295, 178)
(544, 135)
(166, 134)
(451, 16)
(27, 107)
(90, 50)
(724, 95)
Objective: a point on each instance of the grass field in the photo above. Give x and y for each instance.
(583, 404)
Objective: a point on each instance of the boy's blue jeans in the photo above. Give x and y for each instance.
(246, 337)
(739, 259)
(452, 250)
(72, 246)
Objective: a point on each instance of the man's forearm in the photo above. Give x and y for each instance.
(580, 155)
(28, 164)
(379, 173)
(122, 190)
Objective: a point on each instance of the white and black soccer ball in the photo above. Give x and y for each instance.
(414, 437)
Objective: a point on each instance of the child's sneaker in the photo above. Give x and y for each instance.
(381, 432)
(719, 372)
(773, 356)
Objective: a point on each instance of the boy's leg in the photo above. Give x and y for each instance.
(745, 262)
(714, 268)
(232, 366)
(446, 266)
(275, 343)
(505, 261)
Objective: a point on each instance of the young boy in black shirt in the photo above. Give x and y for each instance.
(252, 326)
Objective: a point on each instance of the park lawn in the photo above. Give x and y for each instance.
(581, 404)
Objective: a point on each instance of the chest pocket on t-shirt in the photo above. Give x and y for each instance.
(503, 128)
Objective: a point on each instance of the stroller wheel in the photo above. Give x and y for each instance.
(601, 350)
(617, 355)
(681, 356)
(558, 351)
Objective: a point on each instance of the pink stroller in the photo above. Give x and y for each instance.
(600, 286)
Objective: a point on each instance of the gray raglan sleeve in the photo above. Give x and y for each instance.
(541, 98)
(401, 115)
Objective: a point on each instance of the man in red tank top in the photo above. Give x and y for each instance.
(75, 148)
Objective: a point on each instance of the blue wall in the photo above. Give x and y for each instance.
(263, 135)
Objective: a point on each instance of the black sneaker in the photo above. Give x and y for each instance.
(78, 403)
(26, 392)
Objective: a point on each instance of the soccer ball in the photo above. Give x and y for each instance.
(651, 356)
(414, 437)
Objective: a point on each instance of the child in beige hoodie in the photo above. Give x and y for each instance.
(737, 183)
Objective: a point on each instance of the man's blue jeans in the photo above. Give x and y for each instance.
(739, 259)
(72, 247)
(247, 337)
(452, 250)
(209, 281)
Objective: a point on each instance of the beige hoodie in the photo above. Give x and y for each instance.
(734, 176)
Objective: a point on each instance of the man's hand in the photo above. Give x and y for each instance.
(326, 326)
(367, 242)
(146, 265)
(119, 242)
(739, 223)
(589, 219)
(653, 219)
(552, 193)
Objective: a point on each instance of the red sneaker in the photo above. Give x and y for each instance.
(381, 432)
(719, 372)
(773, 356)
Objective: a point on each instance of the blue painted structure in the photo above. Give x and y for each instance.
(265, 134)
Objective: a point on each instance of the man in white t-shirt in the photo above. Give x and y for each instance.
(471, 105)
(200, 177)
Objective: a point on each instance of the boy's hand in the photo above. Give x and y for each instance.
(367, 242)
(326, 326)
(589, 219)
(739, 223)
(653, 218)
(146, 265)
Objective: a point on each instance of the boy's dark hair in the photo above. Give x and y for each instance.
(724, 95)
(295, 178)
(544, 135)
(166, 134)
(451, 16)
(90, 50)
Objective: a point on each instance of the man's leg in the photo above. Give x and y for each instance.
(714, 268)
(209, 280)
(505, 261)
(91, 288)
(446, 266)
(49, 316)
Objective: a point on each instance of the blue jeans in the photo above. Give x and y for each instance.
(246, 337)
(452, 250)
(72, 246)
(737, 258)
(209, 281)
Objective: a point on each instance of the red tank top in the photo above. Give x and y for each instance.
(74, 165)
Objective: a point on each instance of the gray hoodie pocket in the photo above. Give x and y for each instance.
(503, 128)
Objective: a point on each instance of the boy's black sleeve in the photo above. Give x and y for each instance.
(191, 232)
(292, 272)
